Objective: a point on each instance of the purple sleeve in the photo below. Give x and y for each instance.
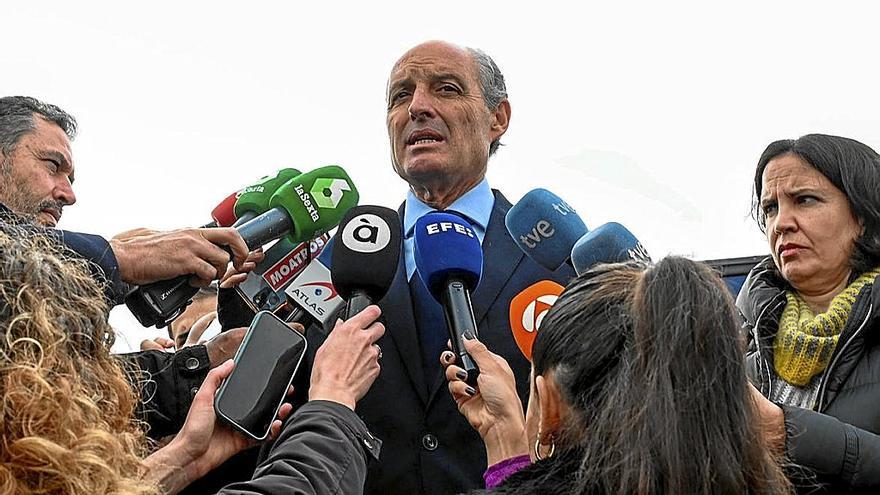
(498, 472)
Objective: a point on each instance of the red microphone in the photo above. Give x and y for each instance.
(224, 213)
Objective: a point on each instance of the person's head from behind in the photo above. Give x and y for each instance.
(817, 198)
(36, 165)
(66, 407)
(447, 111)
(638, 379)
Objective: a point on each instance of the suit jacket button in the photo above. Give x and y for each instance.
(429, 442)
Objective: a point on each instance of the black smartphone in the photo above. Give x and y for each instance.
(265, 363)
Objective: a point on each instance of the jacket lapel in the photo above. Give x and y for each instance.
(401, 326)
(501, 256)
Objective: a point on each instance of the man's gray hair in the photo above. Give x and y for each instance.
(492, 85)
(17, 119)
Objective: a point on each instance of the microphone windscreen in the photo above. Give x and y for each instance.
(527, 311)
(224, 213)
(446, 246)
(366, 249)
(316, 201)
(544, 227)
(609, 243)
(255, 198)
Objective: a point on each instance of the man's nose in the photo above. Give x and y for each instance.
(64, 191)
(421, 105)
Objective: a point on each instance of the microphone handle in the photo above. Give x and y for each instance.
(461, 323)
(159, 303)
(244, 218)
(266, 227)
(358, 301)
(297, 315)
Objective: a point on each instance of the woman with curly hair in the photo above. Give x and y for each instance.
(67, 421)
(66, 408)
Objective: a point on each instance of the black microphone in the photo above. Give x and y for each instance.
(449, 259)
(366, 249)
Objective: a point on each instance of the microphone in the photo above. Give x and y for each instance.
(223, 213)
(305, 207)
(527, 311)
(544, 227)
(313, 296)
(366, 249)
(449, 260)
(608, 243)
(254, 199)
(263, 288)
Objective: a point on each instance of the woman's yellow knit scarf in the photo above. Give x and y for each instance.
(805, 342)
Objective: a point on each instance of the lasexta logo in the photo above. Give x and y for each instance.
(327, 193)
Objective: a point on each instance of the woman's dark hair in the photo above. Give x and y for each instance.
(649, 360)
(853, 168)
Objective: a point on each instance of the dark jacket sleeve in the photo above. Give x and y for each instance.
(168, 383)
(102, 261)
(845, 457)
(323, 449)
(92, 248)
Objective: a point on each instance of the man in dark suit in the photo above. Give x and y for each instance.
(447, 110)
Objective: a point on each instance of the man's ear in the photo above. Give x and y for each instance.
(550, 401)
(500, 120)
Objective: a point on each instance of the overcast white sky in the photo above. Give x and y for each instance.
(651, 114)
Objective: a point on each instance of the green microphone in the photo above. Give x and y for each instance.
(254, 199)
(305, 207)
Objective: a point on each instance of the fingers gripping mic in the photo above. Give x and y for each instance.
(609, 243)
(366, 249)
(305, 207)
(544, 227)
(450, 261)
(254, 199)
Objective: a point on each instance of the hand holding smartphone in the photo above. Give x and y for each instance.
(269, 356)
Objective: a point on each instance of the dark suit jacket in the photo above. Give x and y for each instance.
(428, 447)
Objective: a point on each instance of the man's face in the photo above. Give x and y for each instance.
(438, 123)
(35, 180)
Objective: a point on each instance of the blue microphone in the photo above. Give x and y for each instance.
(608, 243)
(449, 260)
(545, 227)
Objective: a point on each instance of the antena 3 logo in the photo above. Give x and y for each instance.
(527, 311)
(366, 233)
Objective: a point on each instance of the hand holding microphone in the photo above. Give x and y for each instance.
(493, 408)
(305, 207)
(449, 259)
